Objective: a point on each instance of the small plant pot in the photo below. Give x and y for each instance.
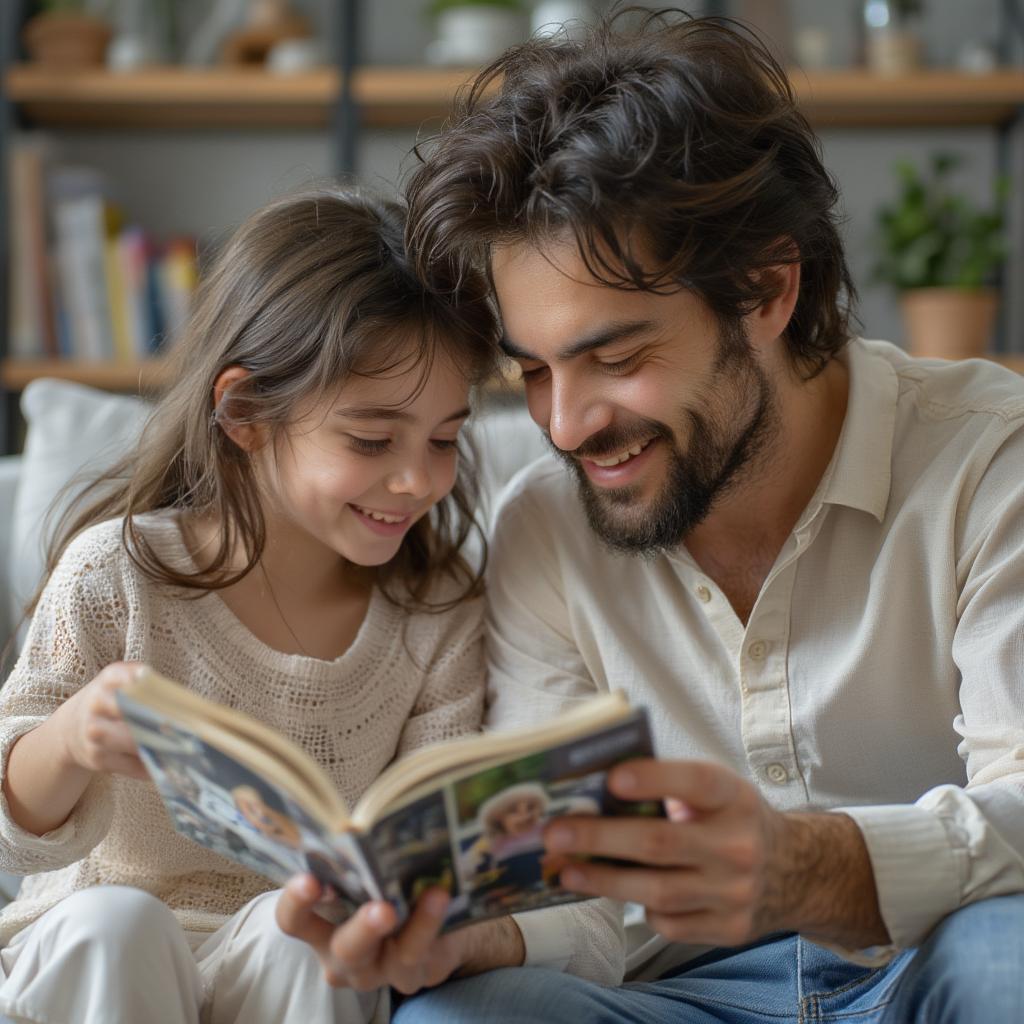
(67, 40)
(949, 323)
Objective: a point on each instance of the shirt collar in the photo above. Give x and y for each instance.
(860, 472)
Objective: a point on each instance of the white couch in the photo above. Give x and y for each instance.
(72, 430)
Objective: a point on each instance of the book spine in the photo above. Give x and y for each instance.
(120, 316)
(154, 306)
(177, 282)
(131, 251)
(28, 323)
(80, 225)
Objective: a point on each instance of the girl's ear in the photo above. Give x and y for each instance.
(231, 407)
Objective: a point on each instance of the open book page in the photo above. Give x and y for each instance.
(481, 835)
(429, 768)
(223, 803)
(249, 740)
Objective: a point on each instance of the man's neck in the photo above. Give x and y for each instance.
(739, 542)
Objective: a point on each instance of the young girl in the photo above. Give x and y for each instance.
(284, 539)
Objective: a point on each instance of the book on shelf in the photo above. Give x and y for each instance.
(31, 327)
(85, 285)
(467, 814)
(83, 220)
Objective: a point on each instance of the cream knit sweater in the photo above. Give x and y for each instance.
(407, 680)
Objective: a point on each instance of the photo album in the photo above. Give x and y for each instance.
(467, 815)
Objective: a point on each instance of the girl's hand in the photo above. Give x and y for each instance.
(94, 735)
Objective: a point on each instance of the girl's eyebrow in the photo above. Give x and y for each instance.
(383, 412)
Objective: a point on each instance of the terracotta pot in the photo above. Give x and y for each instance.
(68, 40)
(949, 323)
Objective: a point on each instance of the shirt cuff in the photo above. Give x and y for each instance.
(915, 868)
(546, 937)
(23, 852)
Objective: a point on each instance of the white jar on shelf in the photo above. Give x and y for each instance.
(892, 36)
(550, 17)
(471, 33)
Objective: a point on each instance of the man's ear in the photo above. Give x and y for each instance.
(231, 408)
(770, 319)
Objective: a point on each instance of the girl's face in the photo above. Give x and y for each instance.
(354, 472)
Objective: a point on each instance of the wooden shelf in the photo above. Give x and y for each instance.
(173, 97)
(406, 96)
(858, 99)
(176, 97)
(145, 377)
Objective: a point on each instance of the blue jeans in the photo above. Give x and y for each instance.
(970, 970)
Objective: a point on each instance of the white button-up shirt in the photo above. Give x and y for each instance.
(880, 671)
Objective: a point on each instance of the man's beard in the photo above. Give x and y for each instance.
(719, 448)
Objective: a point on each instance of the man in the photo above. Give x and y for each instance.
(803, 553)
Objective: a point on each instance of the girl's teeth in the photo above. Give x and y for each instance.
(615, 460)
(380, 517)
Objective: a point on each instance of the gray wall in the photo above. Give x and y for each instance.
(203, 184)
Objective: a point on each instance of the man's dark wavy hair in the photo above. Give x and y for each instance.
(655, 134)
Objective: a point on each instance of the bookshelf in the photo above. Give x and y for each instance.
(346, 97)
(167, 98)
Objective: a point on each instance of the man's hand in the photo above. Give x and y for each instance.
(367, 952)
(724, 868)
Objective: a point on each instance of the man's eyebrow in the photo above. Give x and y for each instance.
(596, 339)
(386, 412)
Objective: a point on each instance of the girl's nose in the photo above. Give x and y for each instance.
(412, 479)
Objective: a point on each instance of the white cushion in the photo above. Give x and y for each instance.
(73, 432)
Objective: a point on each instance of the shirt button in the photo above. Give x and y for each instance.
(703, 593)
(757, 650)
(777, 773)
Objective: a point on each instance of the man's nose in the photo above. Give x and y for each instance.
(574, 415)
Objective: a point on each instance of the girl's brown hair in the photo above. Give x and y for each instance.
(311, 290)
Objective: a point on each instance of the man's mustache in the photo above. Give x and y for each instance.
(613, 440)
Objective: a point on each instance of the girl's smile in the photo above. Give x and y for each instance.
(384, 523)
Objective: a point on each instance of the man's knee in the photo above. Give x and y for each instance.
(969, 968)
(511, 994)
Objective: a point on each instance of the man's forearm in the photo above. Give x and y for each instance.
(826, 889)
(494, 944)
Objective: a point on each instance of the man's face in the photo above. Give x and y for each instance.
(654, 406)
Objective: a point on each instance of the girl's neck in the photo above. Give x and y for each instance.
(292, 601)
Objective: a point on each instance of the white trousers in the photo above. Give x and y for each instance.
(116, 955)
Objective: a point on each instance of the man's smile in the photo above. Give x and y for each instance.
(624, 456)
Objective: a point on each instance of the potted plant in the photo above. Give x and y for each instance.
(942, 254)
(892, 43)
(473, 32)
(65, 34)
